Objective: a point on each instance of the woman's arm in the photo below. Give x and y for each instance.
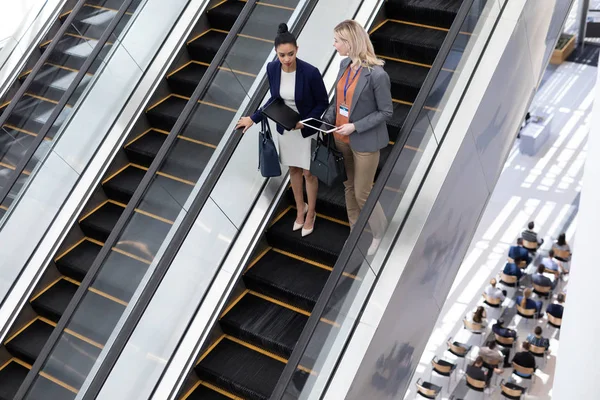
(383, 97)
(257, 116)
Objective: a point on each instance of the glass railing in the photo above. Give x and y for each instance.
(338, 308)
(187, 157)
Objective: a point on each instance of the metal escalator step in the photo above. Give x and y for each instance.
(144, 149)
(28, 344)
(202, 392)
(430, 12)
(265, 324)
(224, 15)
(205, 47)
(122, 186)
(11, 377)
(288, 279)
(240, 370)
(96, 317)
(53, 302)
(185, 80)
(323, 245)
(101, 222)
(406, 79)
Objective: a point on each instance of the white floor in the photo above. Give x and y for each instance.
(545, 189)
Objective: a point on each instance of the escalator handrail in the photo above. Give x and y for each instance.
(361, 224)
(36, 367)
(194, 210)
(58, 108)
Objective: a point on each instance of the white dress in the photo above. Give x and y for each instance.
(294, 150)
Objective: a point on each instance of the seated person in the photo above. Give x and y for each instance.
(536, 338)
(561, 246)
(476, 372)
(493, 292)
(527, 303)
(530, 235)
(512, 270)
(478, 317)
(499, 329)
(542, 280)
(493, 356)
(525, 359)
(550, 264)
(519, 253)
(556, 309)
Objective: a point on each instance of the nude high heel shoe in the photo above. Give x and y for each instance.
(306, 232)
(298, 226)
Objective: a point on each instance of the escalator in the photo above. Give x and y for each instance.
(261, 324)
(20, 128)
(95, 316)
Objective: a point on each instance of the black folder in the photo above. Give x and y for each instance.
(281, 114)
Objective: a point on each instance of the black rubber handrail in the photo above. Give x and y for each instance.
(195, 208)
(361, 224)
(35, 369)
(58, 108)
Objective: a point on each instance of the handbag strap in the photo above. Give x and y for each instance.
(266, 128)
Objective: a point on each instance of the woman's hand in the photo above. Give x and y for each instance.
(244, 122)
(299, 125)
(345, 129)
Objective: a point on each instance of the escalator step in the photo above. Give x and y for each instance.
(398, 118)
(429, 12)
(323, 245)
(11, 377)
(145, 148)
(54, 301)
(101, 223)
(122, 186)
(30, 114)
(114, 4)
(224, 15)
(288, 279)
(240, 370)
(406, 79)
(265, 324)
(28, 344)
(44, 389)
(185, 80)
(202, 392)
(408, 42)
(205, 47)
(76, 263)
(51, 82)
(96, 317)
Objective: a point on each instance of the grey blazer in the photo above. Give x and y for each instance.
(371, 108)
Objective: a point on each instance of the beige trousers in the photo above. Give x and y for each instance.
(360, 169)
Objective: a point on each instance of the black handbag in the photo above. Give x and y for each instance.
(268, 159)
(327, 162)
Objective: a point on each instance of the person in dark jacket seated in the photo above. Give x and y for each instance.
(476, 371)
(537, 339)
(512, 270)
(527, 303)
(519, 253)
(542, 280)
(556, 309)
(499, 329)
(525, 359)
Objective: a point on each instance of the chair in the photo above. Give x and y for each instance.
(476, 385)
(507, 342)
(460, 350)
(538, 352)
(443, 368)
(554, 321)
(561, 254)
(508, 280)
(492, 302)
(531, 246)
(474, 328)
(511, 391)
(542, 291)
(523, 371)
(526, 313)
(428, 389)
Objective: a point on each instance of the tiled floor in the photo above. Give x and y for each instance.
(544, 188)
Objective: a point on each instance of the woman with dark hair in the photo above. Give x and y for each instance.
(301, 87)
(562, 252)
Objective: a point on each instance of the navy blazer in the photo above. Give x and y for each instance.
(310, 94)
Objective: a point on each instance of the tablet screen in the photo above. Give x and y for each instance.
(319, 125)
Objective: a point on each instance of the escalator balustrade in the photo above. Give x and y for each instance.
(259, 328)
(113, 287)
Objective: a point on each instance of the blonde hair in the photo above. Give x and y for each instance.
(359, 44)
(526, 295)
(493, 282)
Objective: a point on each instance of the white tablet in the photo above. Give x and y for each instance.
(319, 125)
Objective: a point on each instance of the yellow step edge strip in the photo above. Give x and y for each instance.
(141, 135)
(125, 253)
(156, 217)
(24, 131)
(108, 296)
(211, 387)
(323, 216)
(262, 3)
(44, 290)
(403, 61)
(212, 346)
(201, 34)
(82, 37)
(3, 207)
(67, 68)
(187, 139)
(84, 339)
(314, 263)
(106, 8)
(391, 189)
(378, 26)
(146, 213)
(278, 217)
(58, 382)
(47, 100)
(115, 173)
(233, 303)
(217, 5)
(437, 28)
(234, 71)
(258, 258)
(93, 210)
(226, 32)
(65, 14)
(12, 168)
(5, 104)
(290, 307)
(22, 363)
(64, 253)
(14, 335)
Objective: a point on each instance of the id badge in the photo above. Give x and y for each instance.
(344, 110)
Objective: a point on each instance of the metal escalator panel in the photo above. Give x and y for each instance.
(39, 111)
(425, 45)
(118, 248)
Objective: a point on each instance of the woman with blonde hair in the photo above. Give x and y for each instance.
(528, 303)
(362, 105)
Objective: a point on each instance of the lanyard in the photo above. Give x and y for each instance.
(346, 86)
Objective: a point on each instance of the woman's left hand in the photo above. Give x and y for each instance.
(345, 129)
(299, 125)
